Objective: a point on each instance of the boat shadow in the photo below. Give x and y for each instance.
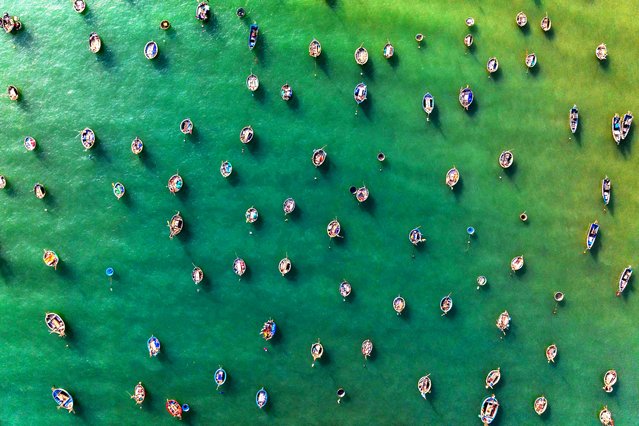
(605, 64)
(210, 26)
(23, 38)
(393, 61)
(473, 108)
(434, 118)
(259, 95)
(365, 106)
(525, 30)
(260, 49)
(331, 3)
(146, 158)
(161, 63)
(534, 71)
(324, 168)
(405, 315)
(610, 208)
(293, 103)
(234, 179)
(458, 189)
(368, 205)
(496, 76)
(322, 62)
(368, 71)
(550, 34)
(49, 201)
(23, 103)
(98, 152)
(253, 147)
(594, 251)
(105, 57)
(626, 146)
(510, 171)
(292, 274)
(5, 268)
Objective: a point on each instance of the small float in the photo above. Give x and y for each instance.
(202, 11)
(424, 385)
(415, 236)
(30, 143)
(452, 177)
(419, 37)
(151, 50)
(521, 19)
(489, 409)
(360, 93)
(446, 304)
(591, 236)
(253, 33)
(165, 25)
(551, 353)
(466, 97)
(492, 65)
(625, 124)
(87, 137)
(220, 377)
(239, 266)
(540, 405)
(493, 378)
(13, 93)
(153, 345)
(288, 206)
(246, 134)
(226, 168)
(268, 330)
(367, 348)
(345, 289)
(175, 183)
(399, 304)
(609, 379)
(284, 266)
(286, 92)
(317, 350)
(63, 399)
(624, 279)
(174, 408)
(186, 126)
(503, 322)
(139, 393)
(137, 146)
(361, 55)
(118, 190)
(574, 118)
(333, 229)
(95, 43)
(50, 259)
(546, 24)
(175, 225)
(506, 159)
(197, 275)
(251, 215)
(601, 52)
(54, 323)
(314, 48)
(39, 191)
(252, 82)
(389, 50)
(428, 104)
(261, 398)
(517, 263)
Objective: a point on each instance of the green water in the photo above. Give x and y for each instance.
(200, 74)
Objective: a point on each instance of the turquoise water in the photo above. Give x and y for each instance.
(200, 73)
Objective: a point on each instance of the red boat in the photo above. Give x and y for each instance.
(174, 408)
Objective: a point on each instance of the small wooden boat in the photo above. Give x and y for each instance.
(517, 263)
(314, 48)
(546, 24)
(95, 43)
(540, 405)
(63, 399)
(174, 408)
(239, 266)
(481, 281)
(591, 236)
(253, 33)
(625, 124)
(30, 143)
(361, 194)
(139, 393)
(428, 104)
(226, 168)
(367, 348)
(317, 350)
(446, 304)
(284, 266)
(489, 409)
(8, 23)
(521, 19)
(79, 5)
(186, 126)
(286, 92)
(175, 225)
(175, 183)
(493, 378)
(606, 188)
(13, 93)
(246, 134)
(470, 22)
(153, 345)
(415, 236)
(466, 97)
(220, 377)
(551, 353)
(419, 37)
(559, 296)
(624, 279)
(118, 190)
(399, 304)
(601, 52)
(288, 206)
(503, 322)
(531, 60)
(151, 50)
(197, 275)
(333, 229)
(609, 379)
(252, 82)
(137, 146)
(39, 191)
(50, 259)
(87, 137)
(389, 50)
(261, 398)
(202, 11)
(506, 159)
(468, 40)
(361, 55)
(319, 156)
(574, 118)
(345, 289)
(3, 182)
(605, 417)
(492, 65)
(616, 128)
(54, 323)
(251, 215)
(424, 385)
(268, 329)
(360, 93)
(452, 177)
(165, 25)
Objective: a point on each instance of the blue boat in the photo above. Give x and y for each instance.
(63, 399)
(592, 234)
(261, 398)
(466, 97)
(254, 30)
(360, 93)
(154, 346)
(220, 377)
(489, 409)
(616, 128)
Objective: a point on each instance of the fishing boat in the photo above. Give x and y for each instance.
(95, 43)
(317, 350)
(546, 24)
(30, 143)
(333, 229)
(79, 6)
(493, 378)
(252, 38)
(601, 52)
(239, 266)
(399, 304)
(360, 93)
(551, 353)
(252, 82)
(175, 225)
(175, 183)
(446, 304)
(197, 275)
(361, 55)
(468, 40)
(246, 134)
(559, 296)
(137, 146)
(284, 266)
(592, 234)
(345, 289)
(50, 259)
(503, 322)
(288, 206)
(226, 168)
(517, 263)
(153, 345)
(202, 11)
(87, 137)
(492, 65)
(419, 37)
(452, 177)
(54, 323)
(531, 60)
(465, 97)
(220, 377)
(174, 408)
(625, 124)
(521, 19)
(319, 156)
(314, 48)
(361, 194)
(606, 188)
(609, 379)
(261, 398)
(574, 118)
(3, 182)
(424, 385)
(186, 126)
(415, 236)
(63, 399)
(268, 330)
(389, 50)
(251, 215)
(13, 93)
(506, 159)
(139, 393)
(367, 348)
(428, 104)
(118, 190)
(605, 417)
(286, 92)
(39, 191)
(540, 405)
(489, 409)
(151, 50)
(624, 279)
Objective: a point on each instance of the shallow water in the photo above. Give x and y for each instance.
(200, 73)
